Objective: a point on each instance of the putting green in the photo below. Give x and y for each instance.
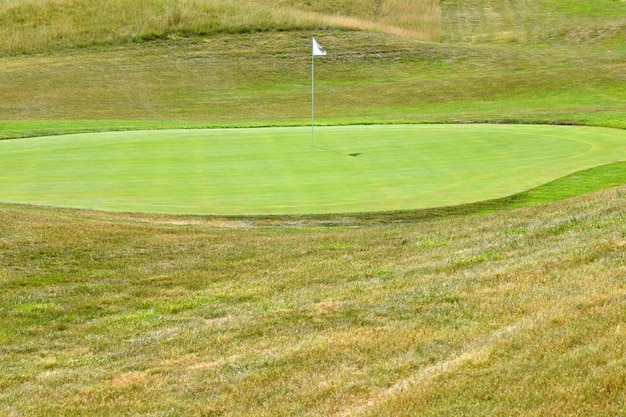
(277, 171)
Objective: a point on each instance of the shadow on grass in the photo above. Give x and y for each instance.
(354, 155)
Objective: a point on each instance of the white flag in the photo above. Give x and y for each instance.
(317, 49)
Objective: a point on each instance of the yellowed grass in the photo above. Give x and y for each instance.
(419, 20)
(418, 17)
(42, 25)
(315, 321)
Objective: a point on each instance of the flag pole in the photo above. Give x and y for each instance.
(315, 50)
(313, 99)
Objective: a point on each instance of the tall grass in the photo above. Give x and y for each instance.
(28, 26)
(34, 25)
(38, 26)
(544, 22)
(409, 18)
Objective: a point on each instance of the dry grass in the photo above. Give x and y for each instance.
(28, 26)
(39, 26)
(543, 22)
(515, 313)
(419, 20)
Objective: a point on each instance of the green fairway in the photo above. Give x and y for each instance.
(277, 171)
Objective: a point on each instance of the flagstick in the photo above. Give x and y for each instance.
(313, 100)
(315, 50)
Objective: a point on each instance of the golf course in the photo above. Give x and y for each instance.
(424, 214)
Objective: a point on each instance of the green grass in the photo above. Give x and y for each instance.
(574, 185)
(267, 77)
(277, 171)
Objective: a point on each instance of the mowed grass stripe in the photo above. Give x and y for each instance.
(277, 171)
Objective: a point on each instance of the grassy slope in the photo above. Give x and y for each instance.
(514, 313)
(28, 26)
(368, 77)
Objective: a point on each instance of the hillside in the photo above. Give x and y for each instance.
(562, 63)
(38, 26)
(515, 313)
(34, 26)
(513, 307)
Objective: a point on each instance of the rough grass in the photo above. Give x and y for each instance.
(538, 22)
(29, 26)
(366, 78)
(515, 313)
(196, 70)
